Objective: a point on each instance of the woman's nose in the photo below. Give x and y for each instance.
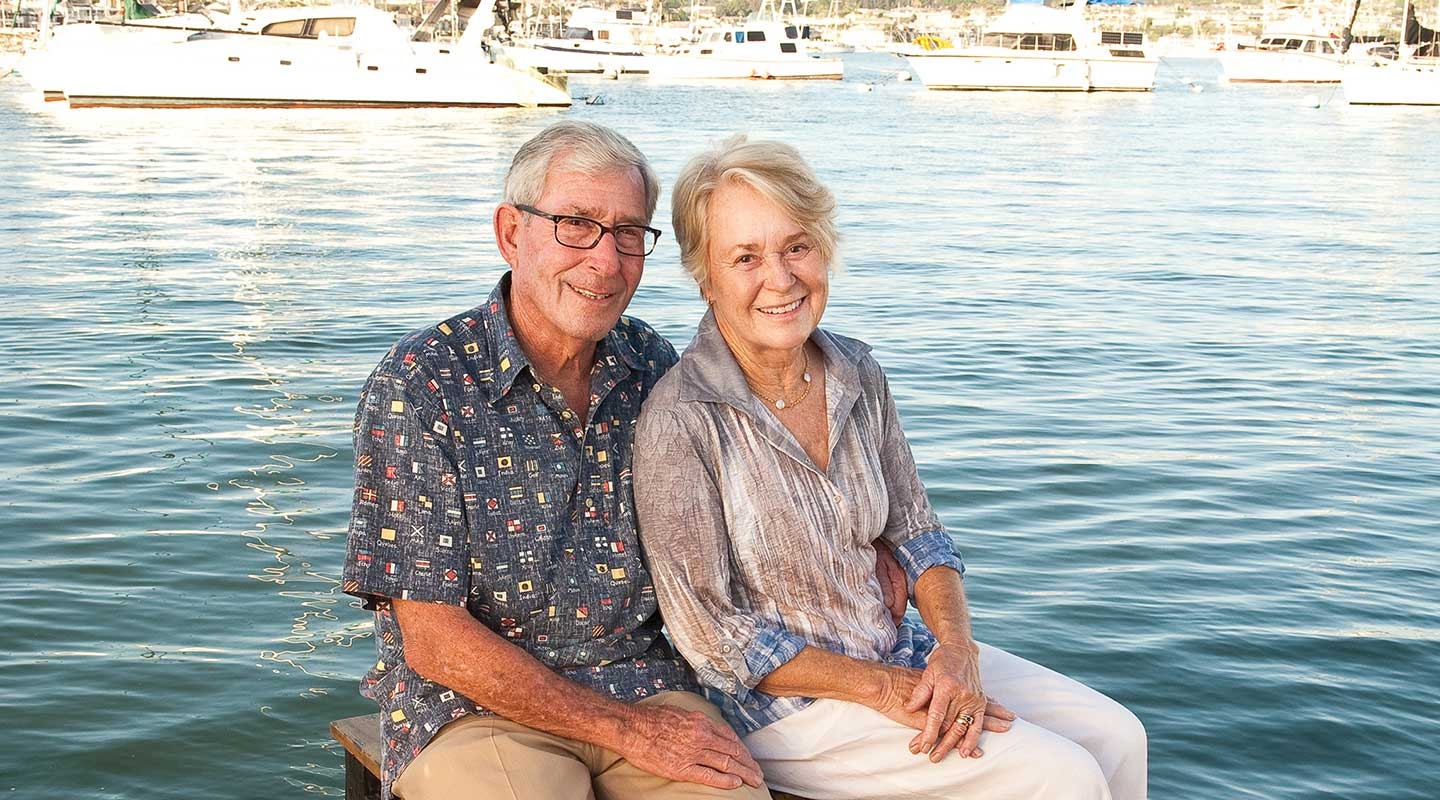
(778, 273)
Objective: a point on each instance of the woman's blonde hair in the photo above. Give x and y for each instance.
(773, 169)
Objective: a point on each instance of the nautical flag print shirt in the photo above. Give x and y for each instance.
(476, 485)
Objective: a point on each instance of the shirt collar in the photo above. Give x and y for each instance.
(509, 358)
(710, 373)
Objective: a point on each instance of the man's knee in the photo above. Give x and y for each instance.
(484, 758)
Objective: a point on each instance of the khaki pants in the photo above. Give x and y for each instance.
(489, 758)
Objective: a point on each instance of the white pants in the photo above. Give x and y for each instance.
(1070, 742)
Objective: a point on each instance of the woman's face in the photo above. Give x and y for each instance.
(768, 282)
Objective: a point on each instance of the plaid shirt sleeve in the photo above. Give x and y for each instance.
(407, 536)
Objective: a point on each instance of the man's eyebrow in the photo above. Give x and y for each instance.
(593, 213)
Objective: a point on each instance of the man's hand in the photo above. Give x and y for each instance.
(899, 686)
(894, 585)
(688, 746)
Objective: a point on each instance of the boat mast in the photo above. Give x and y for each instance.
(1348, 35)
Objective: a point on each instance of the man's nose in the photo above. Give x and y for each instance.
(606, 252)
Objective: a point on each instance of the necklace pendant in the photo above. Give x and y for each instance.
(780, 404)
(807, 376)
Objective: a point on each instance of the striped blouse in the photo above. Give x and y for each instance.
(754, 550)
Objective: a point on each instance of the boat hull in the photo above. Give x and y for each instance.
(1269, 66)
(688, 67)
(991, 69)
(234, 70)
(572, 60)
(1392, 84)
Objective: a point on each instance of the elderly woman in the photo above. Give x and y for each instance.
(768, 463)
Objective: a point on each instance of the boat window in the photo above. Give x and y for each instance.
(1110, 37)
(1007, 41)
(290, 27)
(791, 33)
(755, 36)
(624, 13)
(1064, 41)
(787, 47)
(1309, 47)
(1325, 47)
(333, 26)
(1028, 42)
(1292, 44)
(729, 38)
(1134, 38)
(602, 35)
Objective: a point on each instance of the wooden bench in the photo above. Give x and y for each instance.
(363, 749)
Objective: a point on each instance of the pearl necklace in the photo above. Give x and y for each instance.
(779, 402)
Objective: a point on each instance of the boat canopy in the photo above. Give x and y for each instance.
(1415, 33)
(1070, 3)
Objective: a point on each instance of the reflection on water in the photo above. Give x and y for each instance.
(1166, 363)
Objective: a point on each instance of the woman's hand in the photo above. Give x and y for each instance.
(899, 688)
(954, 704)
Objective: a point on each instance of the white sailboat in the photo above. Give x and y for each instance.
(593, 40)
(1410, 79)
(761, 47)
(1038, 47)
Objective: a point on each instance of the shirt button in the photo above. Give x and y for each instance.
(566, 414)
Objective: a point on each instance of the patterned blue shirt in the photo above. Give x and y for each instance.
(476, 485)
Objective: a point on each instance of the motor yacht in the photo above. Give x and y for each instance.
(315, 56)
(1039, 47)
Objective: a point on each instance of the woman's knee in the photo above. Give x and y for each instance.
(1055, 768)
(1120, 736)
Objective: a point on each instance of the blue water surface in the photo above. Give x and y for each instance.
(1170, 364)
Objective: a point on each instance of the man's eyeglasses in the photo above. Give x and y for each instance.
(583, 233)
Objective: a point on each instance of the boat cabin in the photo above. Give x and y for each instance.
(1302, 44)
(749, 38)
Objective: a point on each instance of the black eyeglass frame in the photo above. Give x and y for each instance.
(654, 233)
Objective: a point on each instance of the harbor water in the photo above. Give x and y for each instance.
(1170, 364)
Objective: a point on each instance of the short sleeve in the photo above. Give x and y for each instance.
(407, 537)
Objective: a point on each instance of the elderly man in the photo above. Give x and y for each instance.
(493, 529)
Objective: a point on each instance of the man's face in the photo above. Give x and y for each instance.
(562, 297)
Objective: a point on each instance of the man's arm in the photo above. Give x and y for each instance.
(445, 644)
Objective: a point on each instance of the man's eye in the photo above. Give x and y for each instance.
(576, 222)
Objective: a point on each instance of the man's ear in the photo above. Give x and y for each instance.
(507, 232)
